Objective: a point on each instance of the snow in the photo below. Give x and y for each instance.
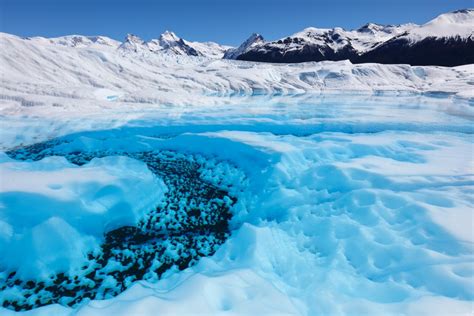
(216, 294)
(54, 212)
(78, 41)
(209, 49)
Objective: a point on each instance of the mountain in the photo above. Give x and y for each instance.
(254, 40)
(133, 43)
(316, 44)
(170, 43)
(167, 43)
(446, 40)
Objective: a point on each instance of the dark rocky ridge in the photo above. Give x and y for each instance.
(448, 52)
(454, 51)
(447, 40)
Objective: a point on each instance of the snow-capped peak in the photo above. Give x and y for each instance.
(371, 28)
(453, 24)
(132, 43)
(253, 40)
(168, 36)
(310, 32)
(169, 42)
(131, 38)
(465, 16)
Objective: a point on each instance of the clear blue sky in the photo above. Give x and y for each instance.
(224, 21)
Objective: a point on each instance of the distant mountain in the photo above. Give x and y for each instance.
(447, 40)
(170, 43)
(133, 43)
(167, 43)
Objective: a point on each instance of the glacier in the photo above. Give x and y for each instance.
(349, 187)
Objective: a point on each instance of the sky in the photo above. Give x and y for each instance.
(226, 21)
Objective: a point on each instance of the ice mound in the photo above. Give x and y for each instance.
(54, 213)
(242, 292)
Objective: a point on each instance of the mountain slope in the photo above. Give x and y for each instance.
(315, 44)
(446, 40)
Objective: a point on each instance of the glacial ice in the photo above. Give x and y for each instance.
(348, 206)
(54, 212)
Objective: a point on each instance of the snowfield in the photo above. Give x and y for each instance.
(241, 188)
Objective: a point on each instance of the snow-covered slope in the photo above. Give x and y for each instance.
(78, 41)
(209, 49)
(449, 25)
(447, 38)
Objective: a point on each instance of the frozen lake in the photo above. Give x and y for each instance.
(305, 204)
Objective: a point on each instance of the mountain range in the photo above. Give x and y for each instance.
(447, 40)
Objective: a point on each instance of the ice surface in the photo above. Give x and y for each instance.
(54, 213)
(349, 205)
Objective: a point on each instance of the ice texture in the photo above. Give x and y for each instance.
(54, 213)
(345, 205)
